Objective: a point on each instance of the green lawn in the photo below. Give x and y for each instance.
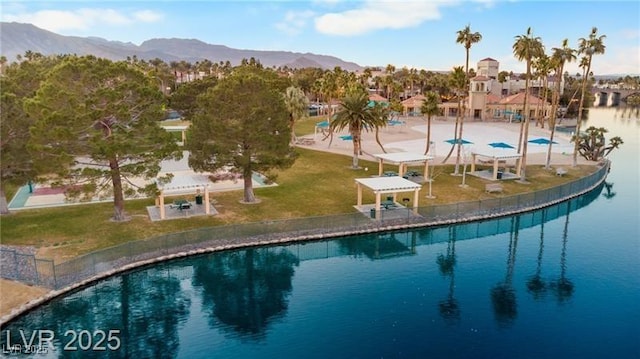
(319, 183)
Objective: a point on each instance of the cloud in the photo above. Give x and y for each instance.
(630, 34)
(81, 19)
(294, 21)
(377, 15)
(148, 16)
(622, 60)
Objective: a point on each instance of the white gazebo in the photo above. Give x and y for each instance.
(185, 182)
(402, 159)
(178, 128)
(387, 185)
(495, 158)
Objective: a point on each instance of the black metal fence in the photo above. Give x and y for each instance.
(102, 263)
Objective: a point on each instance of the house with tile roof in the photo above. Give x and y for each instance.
(491, 100)
(412, 105)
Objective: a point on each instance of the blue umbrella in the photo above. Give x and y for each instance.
(459, 140)
(500, 145)
(323, 124)
(542, 141)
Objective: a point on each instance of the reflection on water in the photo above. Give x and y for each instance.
(536, 284)
(516, 287)
(245, 290)
(449, 308)
(503, 294)
(563, 287)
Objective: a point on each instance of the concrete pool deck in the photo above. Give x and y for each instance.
(411, 137)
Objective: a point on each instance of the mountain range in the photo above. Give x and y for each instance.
(18, 38)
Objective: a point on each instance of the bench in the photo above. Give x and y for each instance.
(561, 171)
(411, 174)
(493, 188)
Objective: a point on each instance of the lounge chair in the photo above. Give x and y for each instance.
(561, 171)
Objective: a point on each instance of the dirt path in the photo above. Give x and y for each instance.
(14, 295)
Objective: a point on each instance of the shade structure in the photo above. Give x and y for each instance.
(500, 145)
(387, 185)
(542, 141)
(403, 159)
(454, 141)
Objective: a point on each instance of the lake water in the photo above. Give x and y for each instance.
(563, 282)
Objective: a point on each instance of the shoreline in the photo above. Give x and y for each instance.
(273, 239)
(410, 135)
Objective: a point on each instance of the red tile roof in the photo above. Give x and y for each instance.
(518, 99)
(377, 98)
(413, 101)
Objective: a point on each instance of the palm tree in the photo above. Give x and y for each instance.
(457, 81)
(297, 104)
(467, 38)
(543, 66)
(380, 117)
(526, 48)
(430, 108)
(594, 45)
(388, 80)
(356, 115)
(559, 58)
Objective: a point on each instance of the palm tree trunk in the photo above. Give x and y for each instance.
(521, 131)
(538, 117)
(356, 149)
(580, 109)
(544, 101)
(555, 101)
(457, 168)
(455, 134)
(378, 140)
(525, 122)
(428, 135)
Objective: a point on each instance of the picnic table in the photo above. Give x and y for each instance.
(181, 204)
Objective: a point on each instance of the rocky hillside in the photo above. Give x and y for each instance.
(17, 38)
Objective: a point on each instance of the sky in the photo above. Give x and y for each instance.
(417, 34)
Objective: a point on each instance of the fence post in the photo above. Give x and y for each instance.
(35, 267)
(55, 278)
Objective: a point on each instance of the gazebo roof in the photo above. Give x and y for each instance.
(186, 180)
(403, 157)
(176, 128)
(388, 184)
(497, 155)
